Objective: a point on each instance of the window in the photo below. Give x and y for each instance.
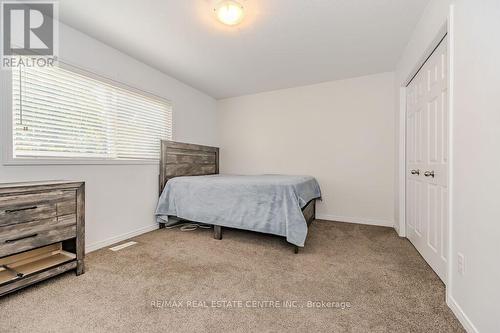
(60, 113)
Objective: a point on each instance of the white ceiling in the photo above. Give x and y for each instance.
(280, 44)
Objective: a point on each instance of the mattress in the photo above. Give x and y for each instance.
(263, 203)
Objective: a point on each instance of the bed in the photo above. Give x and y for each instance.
(192, 189)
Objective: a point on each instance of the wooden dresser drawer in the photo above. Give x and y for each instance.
(23, 208)
(21, 237)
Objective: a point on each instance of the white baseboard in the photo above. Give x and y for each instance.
(115, 239)
(359, 220)
(461, 316)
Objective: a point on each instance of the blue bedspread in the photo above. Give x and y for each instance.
(265, 203)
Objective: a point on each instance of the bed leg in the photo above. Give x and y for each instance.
(217, 232)
(162, 225)
(296, 250)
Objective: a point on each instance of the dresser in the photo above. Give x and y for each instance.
(42, 232)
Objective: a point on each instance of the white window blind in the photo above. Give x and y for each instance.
(59, 113)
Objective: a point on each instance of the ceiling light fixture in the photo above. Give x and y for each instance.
(229, 12)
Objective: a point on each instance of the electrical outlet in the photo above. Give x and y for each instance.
(461, 263)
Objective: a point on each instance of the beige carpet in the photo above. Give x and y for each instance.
(374, 281)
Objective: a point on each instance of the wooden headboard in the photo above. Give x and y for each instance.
(186, 159)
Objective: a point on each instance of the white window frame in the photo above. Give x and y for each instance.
(6, 117)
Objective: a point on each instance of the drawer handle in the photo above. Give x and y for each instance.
(20, 238)
(8, 211)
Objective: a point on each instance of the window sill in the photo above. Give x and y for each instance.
(58, 161)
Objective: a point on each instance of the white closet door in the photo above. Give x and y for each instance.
(427, 160)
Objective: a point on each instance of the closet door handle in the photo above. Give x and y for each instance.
(20, 238)
(429, 174)
(415, 172)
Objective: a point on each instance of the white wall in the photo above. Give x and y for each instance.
(340, 132)
(475, 160)
(120, 199)
(476, 177)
